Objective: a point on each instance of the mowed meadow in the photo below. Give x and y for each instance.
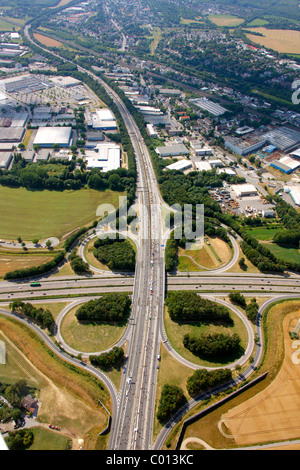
(42, 214)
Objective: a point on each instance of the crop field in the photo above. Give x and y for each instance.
(47, 41)
(269, 411)
(274, 413)
(42, 214)
(226, 20)
(280, 40)
(10, 262)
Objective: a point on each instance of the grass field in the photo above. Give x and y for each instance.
(89, 337)
(42, 214)
(263, 233)
(6, 26)
(67, 397)
(287, 254)
(47, 41)
(226, 20)
(258, 22)
(279, 40)
(176, 331)
(210, 256)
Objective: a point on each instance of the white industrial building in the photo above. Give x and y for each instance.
(150, 130)
(216, 163)
(294, 192)
(207, 105)
(228, 171)
(65, 82)
(48, 136)
(172, 150)
(244, 190)
(105, 156)
(203, 166)
(149, 110)
(102, 119)
(180, 165)
(5, 160)
(201, 149)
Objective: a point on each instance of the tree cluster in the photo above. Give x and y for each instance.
(203, 380)
(116, 254)
(212, 346)
(38, 315)
(189, 306)
(252, 309)
(237, 298)
(172, 399)
(108, 308)
(112, 359)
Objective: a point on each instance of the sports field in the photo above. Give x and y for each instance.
(43, 214)
(280, 40)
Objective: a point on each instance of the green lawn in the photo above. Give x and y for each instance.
(263, 233)
(286, 254)
(42, 214)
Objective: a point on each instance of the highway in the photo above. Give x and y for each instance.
(133, 404)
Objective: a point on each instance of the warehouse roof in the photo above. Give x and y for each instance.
(11, 134)
(177, 149)
(180, 165)
(246, 188)
(47, 136)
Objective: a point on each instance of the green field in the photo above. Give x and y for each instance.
(42, 214)
(263, 233)
(286, 254)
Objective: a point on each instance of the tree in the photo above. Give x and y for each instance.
(172, 398)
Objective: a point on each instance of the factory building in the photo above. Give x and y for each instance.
(294, 192)
(201, 150)
(180, 165)
(245, 145)
(150, 130)
(65, 82)
(172, 150)
(242, 190)
(105, 157)
(5, 160)
(286, 165)
(102, 119)
(48, 136)
(207, 105)
(203, 166)
(11, 134)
